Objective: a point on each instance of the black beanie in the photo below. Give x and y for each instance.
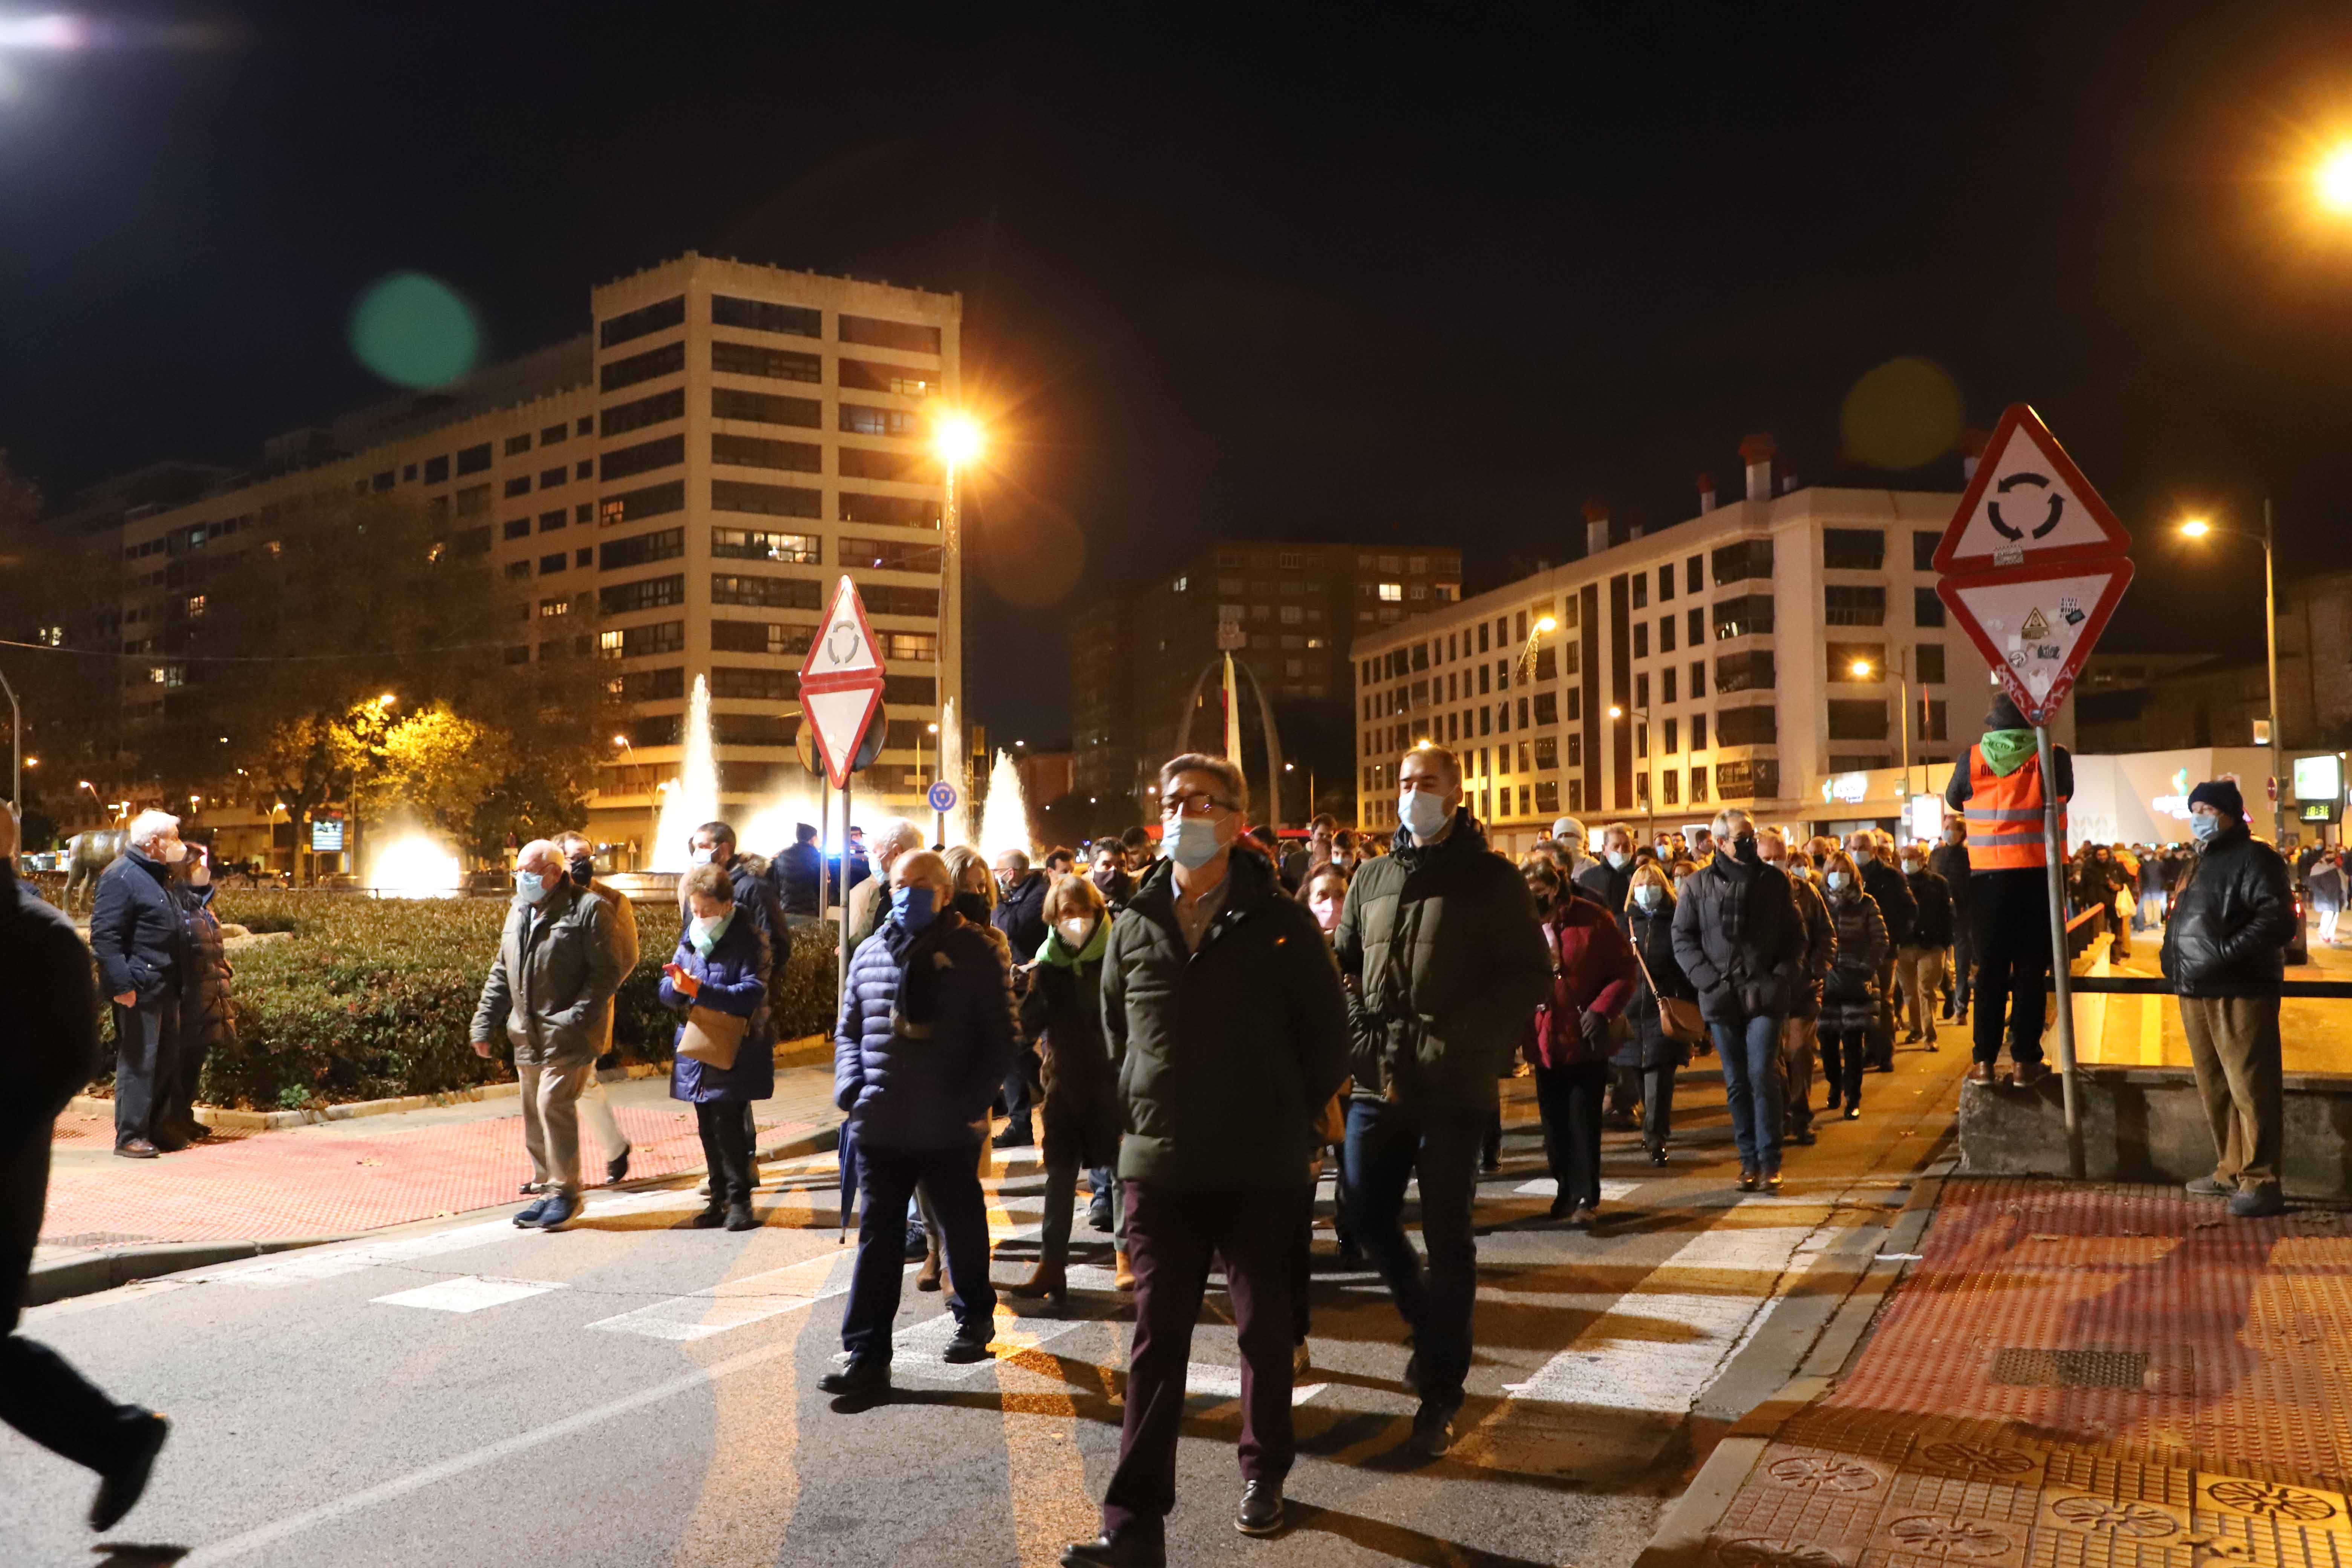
(2003, 714)
(2222, 795)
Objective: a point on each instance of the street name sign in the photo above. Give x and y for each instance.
(841, 683)
(2027, 505)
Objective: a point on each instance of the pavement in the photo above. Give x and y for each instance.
(632, 1391)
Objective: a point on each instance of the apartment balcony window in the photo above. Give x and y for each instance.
(1853, 549)
(1743, 561)
(1750, 614)
(1853, 605)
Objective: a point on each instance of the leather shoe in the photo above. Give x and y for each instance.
(1433, 1430)
(136, 1149)
(858, 1380)
(1261, 1510)
(710, 1219)
(1981, 1073)
(740, 1217)
(121, 1482)
(969, 1343)
(2029, 1074)
(616, 1169)
(1115, 1552)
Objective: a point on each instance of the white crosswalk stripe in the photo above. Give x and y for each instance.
(734, 1303)
(467, 1293)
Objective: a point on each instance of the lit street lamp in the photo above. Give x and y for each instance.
(1649, 798)
(957, 440)
(2198, 527)
(16, 749)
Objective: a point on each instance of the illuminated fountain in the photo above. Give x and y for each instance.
(416, 867)
(694, 800)
(1004, 821)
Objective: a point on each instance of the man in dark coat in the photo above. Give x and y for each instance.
(1228, 1035)
(2224, 952)
(1950, 860)
(1449, 964)
(1871, 850)
(1606, 881)
(142, 944)
(1920, 959)
(1741, 939)
(1020, 911)
(1801, 1036)
(800, 875)
(49, 1047)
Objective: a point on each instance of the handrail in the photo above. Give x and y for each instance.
(2157, 985)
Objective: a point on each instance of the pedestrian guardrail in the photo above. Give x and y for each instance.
(2157, 985)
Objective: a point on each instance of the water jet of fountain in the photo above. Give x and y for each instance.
(1004, 820)
(952, 768)
(695, 799)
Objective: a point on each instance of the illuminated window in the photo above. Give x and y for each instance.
(1391, 593)
(195, 606)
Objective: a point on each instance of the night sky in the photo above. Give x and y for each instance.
(1389, 277)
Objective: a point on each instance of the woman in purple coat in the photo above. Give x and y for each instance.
(721, 964)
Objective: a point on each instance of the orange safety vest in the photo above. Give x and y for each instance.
(2004, 817)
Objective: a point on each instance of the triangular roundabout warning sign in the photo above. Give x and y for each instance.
(2027, 505)
(841, 683)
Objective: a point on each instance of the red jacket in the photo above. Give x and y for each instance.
(1593, 971)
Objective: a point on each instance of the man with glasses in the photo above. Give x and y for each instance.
(1440, 939)
(1228, 1033)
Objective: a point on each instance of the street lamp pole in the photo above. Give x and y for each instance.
(17, 745)
(2269, 640)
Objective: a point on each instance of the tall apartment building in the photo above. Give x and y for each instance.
(1758, 654)
(726, 440)
(1288, 613)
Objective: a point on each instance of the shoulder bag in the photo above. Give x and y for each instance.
(713, 1037)
(1681, 1021)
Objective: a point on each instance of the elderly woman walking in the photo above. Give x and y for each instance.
(926, 1030)
(718, 980)
(1063, 1012)
(1849, 998)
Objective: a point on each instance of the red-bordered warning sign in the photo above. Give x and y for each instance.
(2027, 505)
(841, 683)
(2036, 624)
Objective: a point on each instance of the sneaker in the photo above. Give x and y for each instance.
(1853, 1112)
(2258, 1201)
(919, 1243)
(1098, 1212)
(1432, 1429)
(740, 1217)
(560, 1211)
(616, 1169)
(858, 1380)
(2209, 1187)
(1261, 1510)
(121, 1482)
(970, 1343)
(530, 1217)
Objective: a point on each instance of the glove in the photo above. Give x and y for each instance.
(1594, 1028)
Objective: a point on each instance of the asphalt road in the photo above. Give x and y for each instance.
(632, 1392)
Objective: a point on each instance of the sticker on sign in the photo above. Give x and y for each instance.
(2027, 505)
(2036, 626)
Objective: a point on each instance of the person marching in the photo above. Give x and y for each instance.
(1568, 1044)
(1062, 1013)
(1663, 1049)
(1849, 1000)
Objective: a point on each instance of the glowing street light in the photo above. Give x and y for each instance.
(2196, 527)
(387, 699)
(957, 439)
(1860, 668)
(2332, 180)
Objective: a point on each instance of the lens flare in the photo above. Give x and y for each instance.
(2333, 180)
(416, 867)
(414, 330)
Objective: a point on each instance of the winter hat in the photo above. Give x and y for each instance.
(2222, 795)
(2003, 714)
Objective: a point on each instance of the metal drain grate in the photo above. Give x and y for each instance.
(2020, 1367)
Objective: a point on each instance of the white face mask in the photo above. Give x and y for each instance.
(174, 852)
(1423, 812)
(1649, 895)
(702, 857)
(1837, 881)
(1076, 930)
(1618, 859)
(1913, 867)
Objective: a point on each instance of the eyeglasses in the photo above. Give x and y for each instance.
(1195, 803)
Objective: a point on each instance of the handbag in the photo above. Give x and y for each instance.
(1679, 1020)
(713, 1037)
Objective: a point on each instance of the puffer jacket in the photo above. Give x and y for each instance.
(1740, 940)
(923, 1086)
(734, 980)
(1652, 936)
(2231, 918)
(549, 991)
(1448, 964)
(1821, 947)
(1593, 971)
(1226, 1055)
(754, 879)
(1897, 907)
(1933, 929)
(1849, 1000)
(798, 875)
(1062, 1010)
(207, 1017)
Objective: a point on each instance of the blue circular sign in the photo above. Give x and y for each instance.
(942, 797)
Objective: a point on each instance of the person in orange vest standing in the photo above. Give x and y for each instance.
(1997, 789)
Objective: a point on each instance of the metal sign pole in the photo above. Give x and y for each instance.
(841, 931)
(2054, 860)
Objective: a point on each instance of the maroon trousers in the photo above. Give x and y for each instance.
(1171, 1235)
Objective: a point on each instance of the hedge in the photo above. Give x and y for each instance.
(367, 999)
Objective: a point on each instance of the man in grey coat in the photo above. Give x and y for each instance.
(551, 989)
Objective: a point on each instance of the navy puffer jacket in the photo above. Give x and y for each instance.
(734, 980)
(923, 1086)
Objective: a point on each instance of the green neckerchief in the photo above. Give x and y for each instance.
(1056, 951)
(2005, 751)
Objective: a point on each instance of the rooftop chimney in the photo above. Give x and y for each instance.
(1972, 446)
(1756, 452)
(1596, 528)
(1706, 493)
(1788, 483)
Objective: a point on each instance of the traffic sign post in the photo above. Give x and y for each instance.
(2032, 566)
(943, 797)
(841, 691)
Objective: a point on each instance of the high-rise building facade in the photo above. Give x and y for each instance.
(726, 441)
(1288, 613)
(1770, 653)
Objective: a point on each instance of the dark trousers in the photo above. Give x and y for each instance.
(1624, 1094)
(1016, 1093)
(41, 1395)
(2013, 940)
(1387, 1143)
(1882, 1028)
(1570, 1100)
(726, 1149)
(177, 1108)
(147, 1049)
(1962, 980)
(1261, 1232)
(1657, 1106)
(1843, 1051)
(1752, 1087)
(886, 1180)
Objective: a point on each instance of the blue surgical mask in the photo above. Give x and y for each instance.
(1194, 842)
(530, 887)
(915, 905)
(2204, 826)
(705, 935)
(1649, 895)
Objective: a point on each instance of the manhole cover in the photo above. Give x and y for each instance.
(2022, 1368)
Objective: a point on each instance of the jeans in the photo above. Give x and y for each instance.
(1060, 1200)
(886, 1178)
(1386, 1142)
(1570, 1099)
(147, 1049)
(1017, 1097)
(1751, 1083)
(1841, 1055)
(726, 1154)
(1262, 1234)
(1964, 963)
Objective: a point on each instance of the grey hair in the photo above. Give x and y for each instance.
(893, 836)
(148, 826)
(1223, 768)
(1729, 820)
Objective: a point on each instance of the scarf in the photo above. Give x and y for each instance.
(2005, 751)
(1057, 951)
(919, 965)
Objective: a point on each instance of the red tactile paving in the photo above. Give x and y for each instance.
(300, 1183)
(2079, 1377)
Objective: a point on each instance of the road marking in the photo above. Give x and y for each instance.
(467, 1293)
(1203, 1379)
(1549, 1188)
(2151, 1031)
(734, 1303)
